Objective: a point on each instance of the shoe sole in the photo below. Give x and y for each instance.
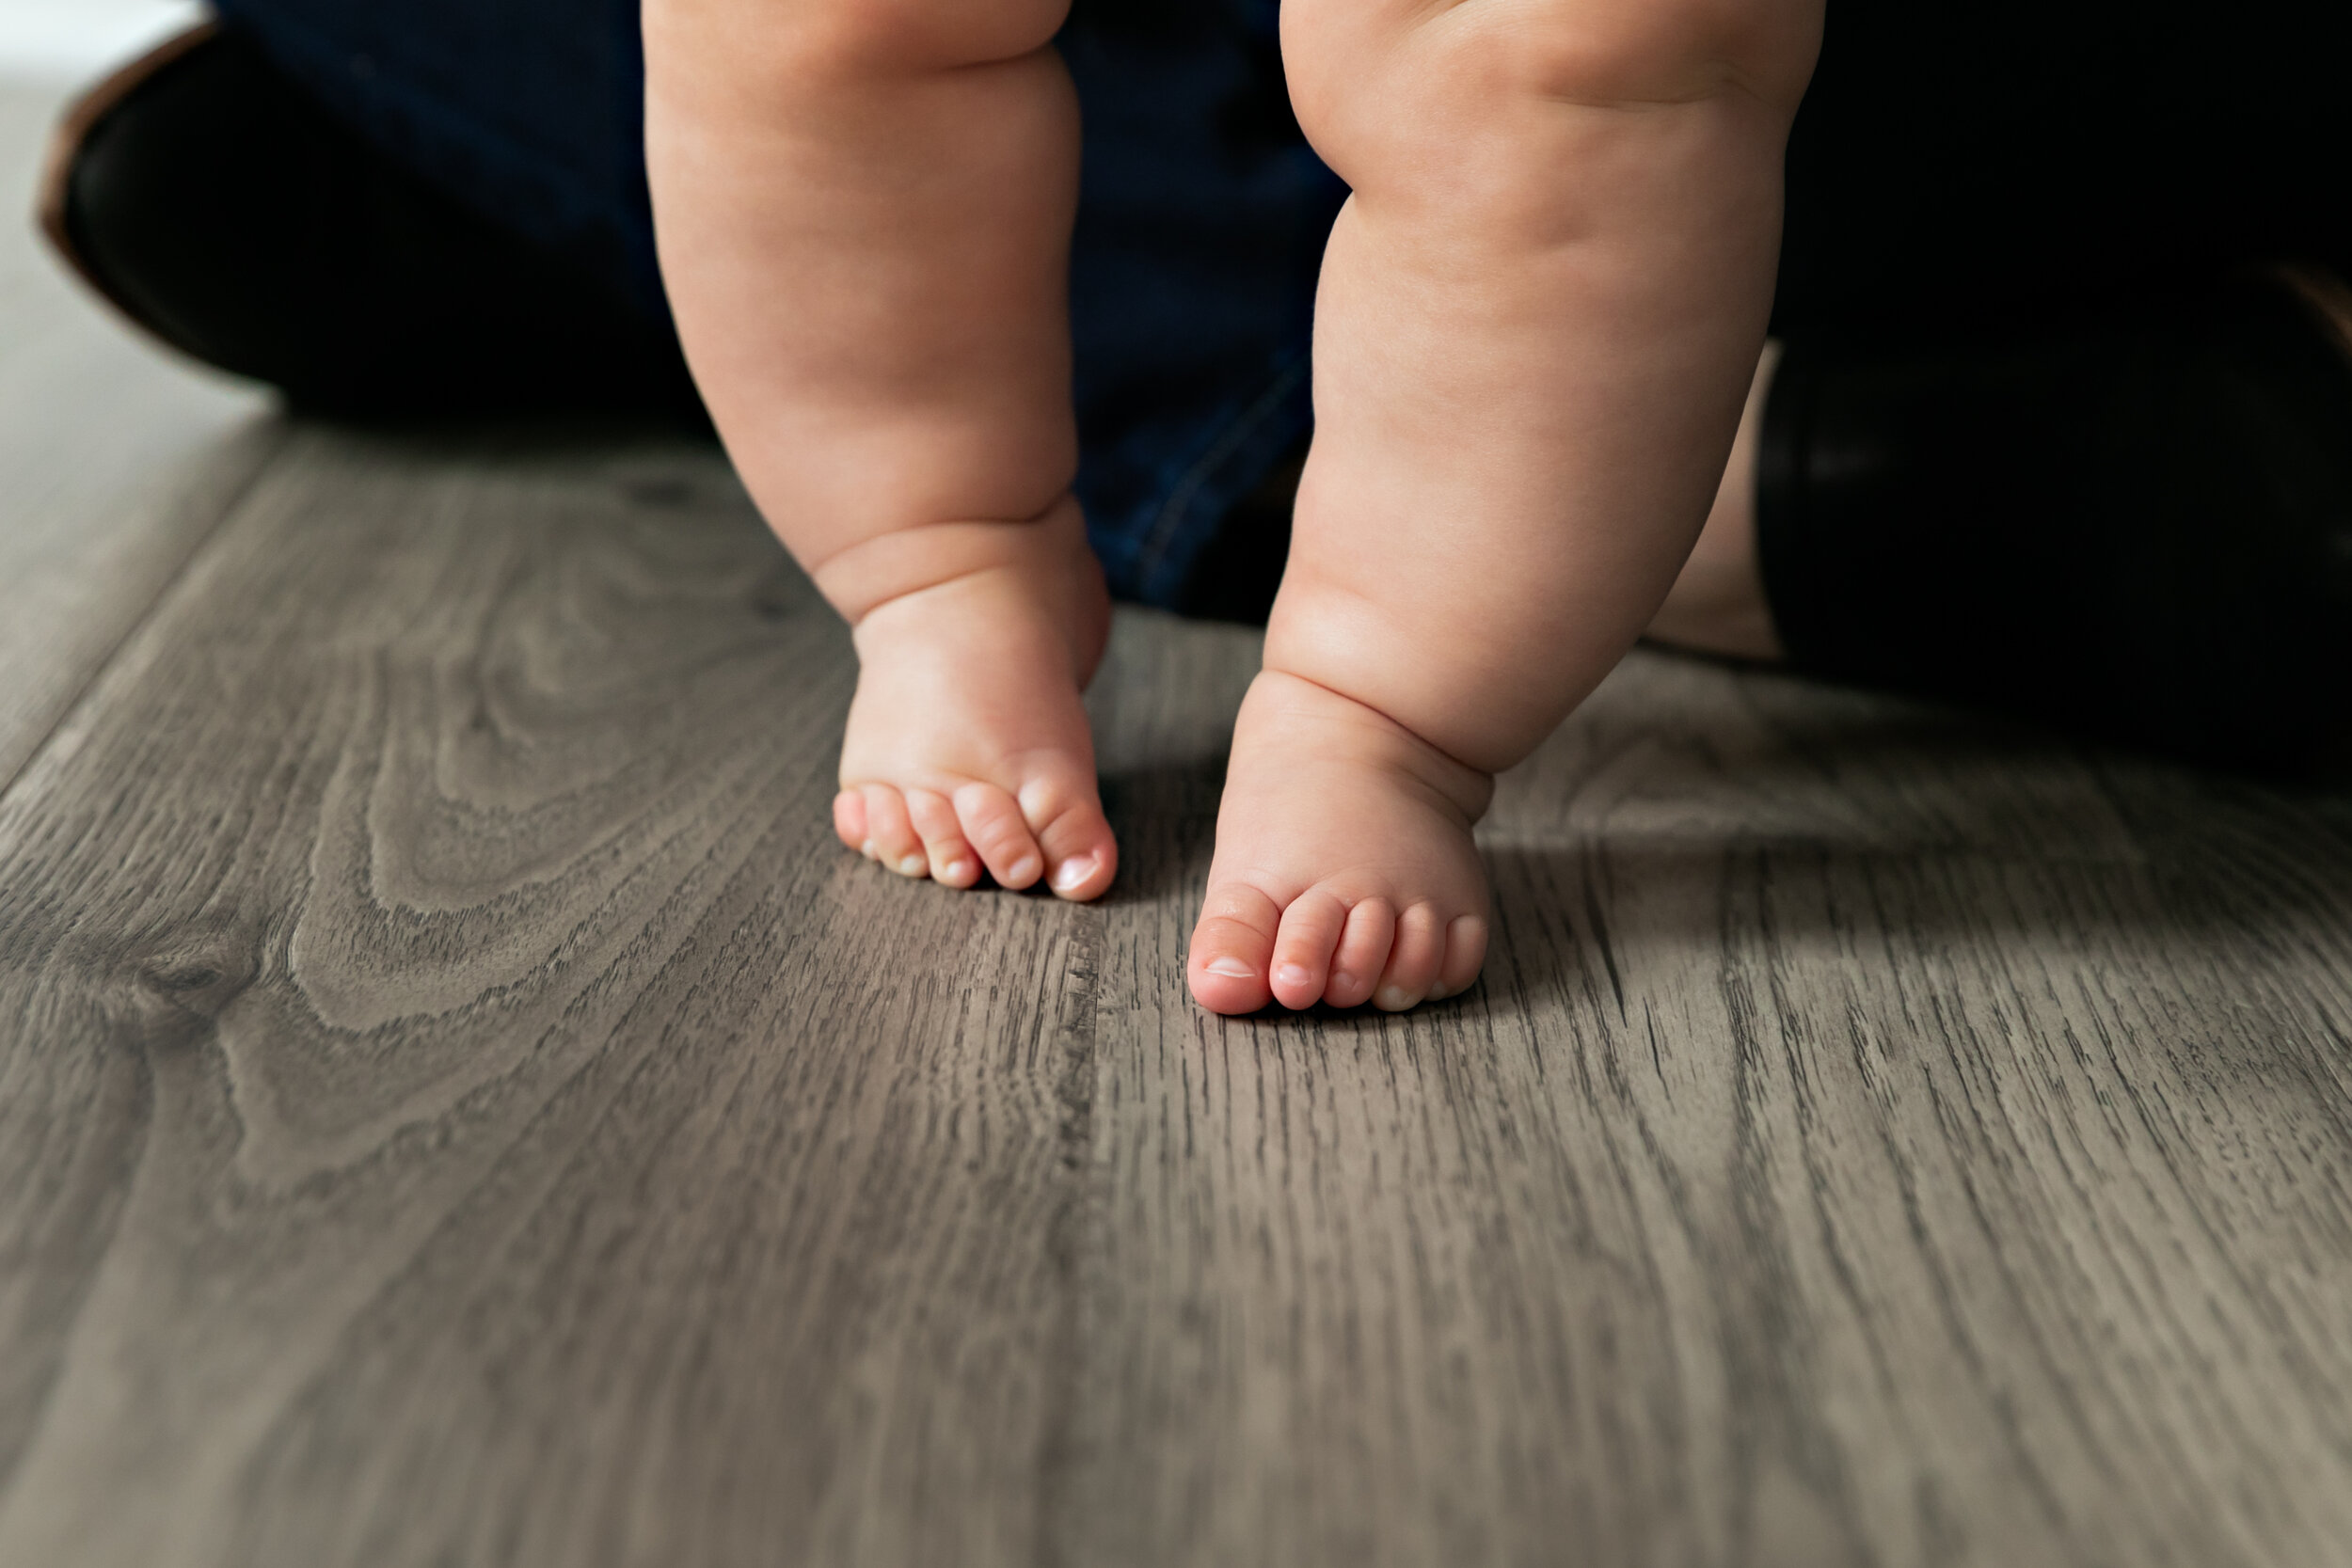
(73, 129)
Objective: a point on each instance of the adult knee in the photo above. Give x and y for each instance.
(858, 38)
(1371, 80)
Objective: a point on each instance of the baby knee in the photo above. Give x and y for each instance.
(861, 37)
(1364, 76)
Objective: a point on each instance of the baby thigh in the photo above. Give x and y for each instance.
(1538, 317)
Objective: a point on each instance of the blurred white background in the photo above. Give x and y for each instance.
(66, 41)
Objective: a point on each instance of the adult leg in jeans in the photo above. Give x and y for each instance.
(425, 205)
(314, 213)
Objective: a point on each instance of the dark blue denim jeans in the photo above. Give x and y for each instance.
(1203, 213)
(1953, 155)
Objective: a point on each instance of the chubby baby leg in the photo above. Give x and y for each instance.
(1540, 312)
(864, 210)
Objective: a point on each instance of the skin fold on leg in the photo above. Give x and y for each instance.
(863, 211)
(1541, 312)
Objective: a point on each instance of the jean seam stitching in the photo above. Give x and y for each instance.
(1169, 518)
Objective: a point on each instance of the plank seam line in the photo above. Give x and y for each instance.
(271, 445)
(1078, 1038)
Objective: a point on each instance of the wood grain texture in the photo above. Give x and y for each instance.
(1878, 1139)
(115, 460)
(460, 1106)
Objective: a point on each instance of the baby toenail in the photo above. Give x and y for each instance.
(866, 850)
(1021, 872)
(912, 866)
(1232, 968)
(1393, 999)
(956, 869)
(1295, 974)
(1072, 872)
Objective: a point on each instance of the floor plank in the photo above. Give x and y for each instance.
(1878, 1139)
(467, 1110)
(463, 1109)
(115, 460)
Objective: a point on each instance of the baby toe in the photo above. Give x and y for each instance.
(890, 837)
(1081, 857)
(1413, 960)
(849, 818)
(1465, 955)
(1231, 947)
(1363, 953)
(953, 864)
(1302, 947)
(993, 825)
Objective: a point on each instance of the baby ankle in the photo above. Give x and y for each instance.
(1305, 710)
(904, 561)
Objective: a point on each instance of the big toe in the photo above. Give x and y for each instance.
(1232, 949)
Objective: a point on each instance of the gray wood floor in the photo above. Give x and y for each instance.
(458, 1106)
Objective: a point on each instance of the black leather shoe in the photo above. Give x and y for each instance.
(219, 207)
(2139, 527)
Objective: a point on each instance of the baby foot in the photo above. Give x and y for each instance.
(1345, 871)
(967, 747)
